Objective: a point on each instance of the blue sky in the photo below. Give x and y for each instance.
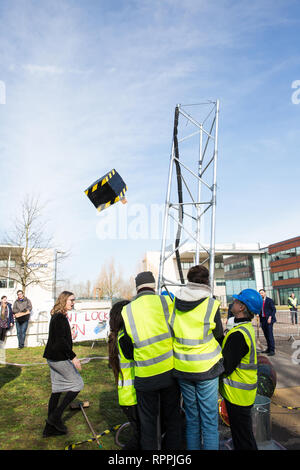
(92, 85)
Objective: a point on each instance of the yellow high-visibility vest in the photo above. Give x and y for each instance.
(146, 323)
(240, 386)
(126, 390)
(293, 301)
(195, 347)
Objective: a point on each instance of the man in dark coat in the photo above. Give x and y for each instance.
(267, 319)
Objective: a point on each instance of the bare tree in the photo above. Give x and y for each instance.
(27, 249)
(110, 283)
(82, 290)
(127, 289)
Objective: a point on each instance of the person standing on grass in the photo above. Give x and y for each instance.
(63, 363)
(22, 309)
(6, 317)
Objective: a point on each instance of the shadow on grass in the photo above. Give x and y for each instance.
(9, 373)
(109, 408)
(108, 411)
(103, 414)
(69, 414)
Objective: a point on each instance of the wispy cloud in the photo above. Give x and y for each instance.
(43, 69)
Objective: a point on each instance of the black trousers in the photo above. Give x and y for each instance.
(165, 403)
(268, 332)
(132, 416)
(3, 333)
(241, 426)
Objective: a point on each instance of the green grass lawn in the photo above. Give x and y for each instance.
(24, 395)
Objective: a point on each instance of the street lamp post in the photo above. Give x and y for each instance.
(55, 272)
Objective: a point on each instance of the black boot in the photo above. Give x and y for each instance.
(51, 431)
(55, 417)
(54, 420)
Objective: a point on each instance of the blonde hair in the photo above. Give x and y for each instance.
(60, 304)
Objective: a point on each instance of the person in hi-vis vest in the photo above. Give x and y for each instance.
(292, 304)
(147, 339)
(238, 384)
(123, 370)
(197, 336)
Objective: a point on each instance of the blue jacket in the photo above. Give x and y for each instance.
(269, 310)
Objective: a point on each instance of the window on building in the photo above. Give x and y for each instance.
(239, 268)
(265, 260)
(236, 265)
(4, 263)
(219, 265)
(236, 286)
(7, 284)
(187, 264)
(267, 278)
(283, 275)
(284, 254)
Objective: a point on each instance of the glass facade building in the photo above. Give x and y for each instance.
(280, 271)
(284, 261)
(276, 268)
(239, 274)
(238, 266)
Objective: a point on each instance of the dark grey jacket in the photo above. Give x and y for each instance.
(21, 306)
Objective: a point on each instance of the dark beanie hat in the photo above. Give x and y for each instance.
(145, 279)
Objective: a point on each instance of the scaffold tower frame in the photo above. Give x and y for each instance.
(193, 202)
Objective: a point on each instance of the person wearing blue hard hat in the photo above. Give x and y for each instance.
(238, 384)
(252, 299)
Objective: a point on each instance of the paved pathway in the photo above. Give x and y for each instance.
(285, 422)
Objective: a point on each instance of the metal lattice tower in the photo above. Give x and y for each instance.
(191, 193)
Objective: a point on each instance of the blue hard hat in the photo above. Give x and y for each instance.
(252, 299)
(170, 294)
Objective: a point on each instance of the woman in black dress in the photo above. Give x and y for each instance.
(63, 363)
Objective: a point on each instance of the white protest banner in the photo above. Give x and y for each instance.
(89, 324)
